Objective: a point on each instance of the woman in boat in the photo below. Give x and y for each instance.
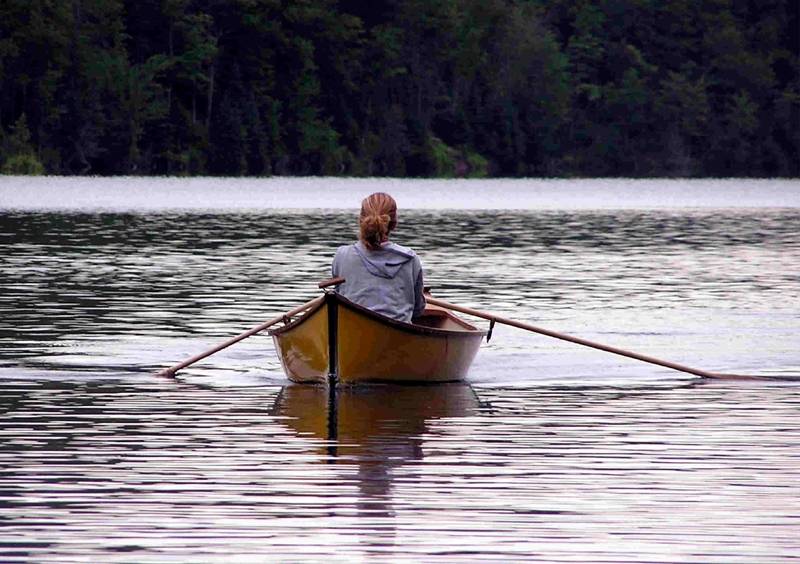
(379, 274)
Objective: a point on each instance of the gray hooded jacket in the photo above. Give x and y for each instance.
(388, 281)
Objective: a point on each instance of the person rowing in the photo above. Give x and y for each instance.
(380, 274)
(387, 278)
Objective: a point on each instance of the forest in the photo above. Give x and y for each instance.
(401, 88)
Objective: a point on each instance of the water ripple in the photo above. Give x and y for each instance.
(442, 473)
(553, 452)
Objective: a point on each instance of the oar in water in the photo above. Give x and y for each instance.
(584, 342)
(257, 329)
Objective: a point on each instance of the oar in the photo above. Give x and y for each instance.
(258, 328)
(495, 318)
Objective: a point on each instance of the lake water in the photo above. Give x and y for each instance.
(550, 452)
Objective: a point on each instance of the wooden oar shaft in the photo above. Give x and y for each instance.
(257, 329)
(674, 366)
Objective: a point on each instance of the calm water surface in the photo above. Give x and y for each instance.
(550, 452)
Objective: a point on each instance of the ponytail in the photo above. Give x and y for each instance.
(377, 219)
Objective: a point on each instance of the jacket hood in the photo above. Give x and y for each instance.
(387, 261)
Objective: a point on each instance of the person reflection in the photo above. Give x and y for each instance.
(378, 428)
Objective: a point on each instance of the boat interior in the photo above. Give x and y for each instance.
(432, 316)
(440, 318)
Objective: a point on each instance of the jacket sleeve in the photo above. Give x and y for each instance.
(419, 297)
(335, 264)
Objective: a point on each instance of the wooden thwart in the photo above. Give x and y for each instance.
(257, 329)
(674, 366)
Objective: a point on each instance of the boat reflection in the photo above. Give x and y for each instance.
(366, 420)
(375, 429)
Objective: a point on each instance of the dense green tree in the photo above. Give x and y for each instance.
(16, 154)
(402, 87)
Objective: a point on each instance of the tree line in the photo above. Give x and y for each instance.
(400, 87)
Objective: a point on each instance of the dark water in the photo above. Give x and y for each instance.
(549, 452)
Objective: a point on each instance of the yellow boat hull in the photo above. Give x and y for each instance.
(359, 345)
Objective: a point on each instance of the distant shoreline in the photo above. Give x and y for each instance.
(197, 194)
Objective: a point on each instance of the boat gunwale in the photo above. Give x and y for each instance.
(295, 322)
(380, 318)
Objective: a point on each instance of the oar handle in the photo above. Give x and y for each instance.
(331, 282)
(257, 329)
(584, 342)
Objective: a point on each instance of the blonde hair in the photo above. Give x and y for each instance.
(377, 219)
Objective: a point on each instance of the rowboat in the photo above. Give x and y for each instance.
(338, 339)
(333, 338)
